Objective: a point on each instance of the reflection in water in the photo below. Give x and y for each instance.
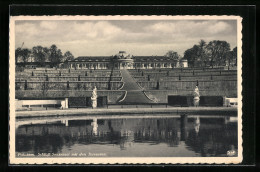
(183, 127)
(184, 136)
(95, 126)
(197, 125)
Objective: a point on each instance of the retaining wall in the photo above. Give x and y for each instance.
(73, 85)
(161, 96)
(60, 72)
(227, 85)
(94, 74)
(187, 78)
(177, 73)
(72, 78)
(112, 96)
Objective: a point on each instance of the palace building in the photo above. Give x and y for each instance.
(123, 60)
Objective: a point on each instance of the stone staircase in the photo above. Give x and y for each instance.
(135, 93)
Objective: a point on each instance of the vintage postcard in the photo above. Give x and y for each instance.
(125, 90)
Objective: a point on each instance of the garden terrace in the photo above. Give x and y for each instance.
(161, 96)
(67, 78)
(190, 85)
(73, 85)
(183, 73)
(112, 96)
(183, 69)
(69, 72)
(187, 78)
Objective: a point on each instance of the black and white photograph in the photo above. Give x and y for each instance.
(125, 89)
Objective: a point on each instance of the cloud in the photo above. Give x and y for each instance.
(94, 30)
(190, 28)
(137, 37)
(50, 25)
(26, 29)
(162, 27)
(219, 27)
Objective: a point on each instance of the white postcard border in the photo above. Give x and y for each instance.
(120, 160)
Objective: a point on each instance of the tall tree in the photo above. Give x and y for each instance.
(235, 55)
(202, 51)
(172, 54)
(17, 54)
(68, 56)
(55, 54)
(217, 51)
(40, 53)
(191, 56)
(229, 57)
(24, 53)
(197, 55)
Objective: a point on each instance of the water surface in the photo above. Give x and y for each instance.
(129, 136)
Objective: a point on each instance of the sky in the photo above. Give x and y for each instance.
(136, 37)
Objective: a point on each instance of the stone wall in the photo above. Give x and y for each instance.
(68, 72)
(224, 85)
(187, 78)
(188, 101)
(112, 96)
(180, 73)
(73, 85)
(67, 78)
(186, 69)
(161, 96)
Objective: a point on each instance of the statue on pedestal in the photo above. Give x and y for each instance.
(196, 98)
(94, 97)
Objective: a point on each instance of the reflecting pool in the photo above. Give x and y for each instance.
(127, 136)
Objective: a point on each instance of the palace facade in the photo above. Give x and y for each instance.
(123, 60)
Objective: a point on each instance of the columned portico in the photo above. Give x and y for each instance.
(122, 60)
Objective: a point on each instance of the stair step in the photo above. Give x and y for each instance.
(134, 92)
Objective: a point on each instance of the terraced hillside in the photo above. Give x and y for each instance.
(125, 86)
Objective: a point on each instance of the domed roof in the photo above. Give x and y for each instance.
(123, 55)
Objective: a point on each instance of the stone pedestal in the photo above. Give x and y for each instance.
(95, 126)
(94, 98)
(196, 98)
(66, 103)
(94, 102)
(196, 101)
